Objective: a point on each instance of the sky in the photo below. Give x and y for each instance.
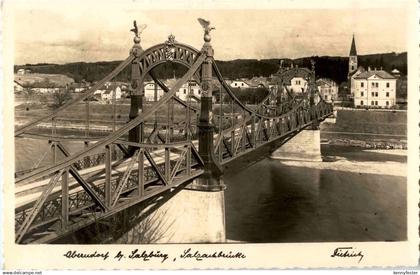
(71, 31)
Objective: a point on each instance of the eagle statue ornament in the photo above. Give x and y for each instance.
(206, 26)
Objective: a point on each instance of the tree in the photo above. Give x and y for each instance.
(60, 97)
(29, 95)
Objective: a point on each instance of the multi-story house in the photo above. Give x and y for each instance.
(374, 89)
(328, 89)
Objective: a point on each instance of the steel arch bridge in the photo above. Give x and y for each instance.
(161, 147)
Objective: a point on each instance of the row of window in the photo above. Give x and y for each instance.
(374, 94)
(373, 103)
(374, 84)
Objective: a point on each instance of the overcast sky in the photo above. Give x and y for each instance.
(69, 32)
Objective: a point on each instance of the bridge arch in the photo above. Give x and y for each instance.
(170, 51)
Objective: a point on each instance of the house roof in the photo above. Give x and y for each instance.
(325, 81)
(379, 73)
(43, 80)
(289, 73)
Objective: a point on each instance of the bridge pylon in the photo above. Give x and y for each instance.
(137, 92)
(211, 180)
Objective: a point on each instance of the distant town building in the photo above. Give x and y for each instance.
(42, 83)
(374, 88)
(111, 90)
(328, 89)
(79, 87)
(297, 82)
(150, 88)
(189, 89)
(254, 82)
(239, 84)
(396, 73)
(23, 71)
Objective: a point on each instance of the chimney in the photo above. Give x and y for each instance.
(369, 69)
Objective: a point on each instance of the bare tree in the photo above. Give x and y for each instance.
(60, 97)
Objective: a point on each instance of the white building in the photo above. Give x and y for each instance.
(352, 76)
(190, 89)
(239, 84)
(298, 84)
(328, 89)
(375, 88)
(149, 91)
(110, 90)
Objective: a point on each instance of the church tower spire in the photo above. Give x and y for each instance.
(352, 57)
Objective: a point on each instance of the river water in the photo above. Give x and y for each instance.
(273, 201)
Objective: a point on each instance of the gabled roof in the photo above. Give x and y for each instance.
(290, 73)
(379, 73)
(325, 81)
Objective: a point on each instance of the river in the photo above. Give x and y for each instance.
(273, 201)
(357, 195)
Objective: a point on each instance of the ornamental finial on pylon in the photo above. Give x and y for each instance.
(136, 50)
(206, 26)
(137, 31)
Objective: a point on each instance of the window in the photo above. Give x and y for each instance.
(199, 92)
(387, 84)
(185, 91)
(297, 82)
(361, 102)
(236, 84)
(372, 103)
(376, 102)
(362, 85)
(387, 94)
(377, 84)
(373, 84)
(242, 84)
(362, 94)
(387, 103)
(326, 97)
(376, 94)
(373, 94)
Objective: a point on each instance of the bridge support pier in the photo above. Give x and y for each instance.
(304, 146)
(188, 216)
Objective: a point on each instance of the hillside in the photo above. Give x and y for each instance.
(335, 68)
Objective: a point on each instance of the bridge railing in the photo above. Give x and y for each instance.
(107, 199)
(248, 128)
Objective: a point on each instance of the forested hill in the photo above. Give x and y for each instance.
(335, 68)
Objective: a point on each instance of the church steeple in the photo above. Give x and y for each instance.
(352, 58)
(353, 51)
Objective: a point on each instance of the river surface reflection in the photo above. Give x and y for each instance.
(272, 202)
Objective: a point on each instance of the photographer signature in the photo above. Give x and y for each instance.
(347, 252)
